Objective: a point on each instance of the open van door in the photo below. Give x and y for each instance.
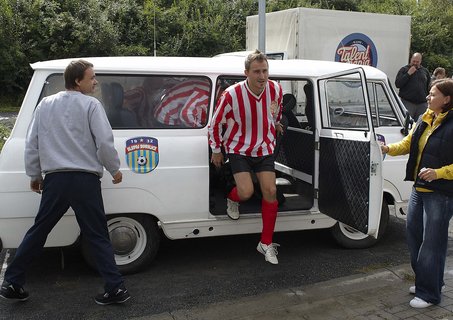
(350, 160)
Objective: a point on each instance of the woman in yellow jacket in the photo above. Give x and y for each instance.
(430, 166)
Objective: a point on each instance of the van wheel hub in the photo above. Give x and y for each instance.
(124, 240)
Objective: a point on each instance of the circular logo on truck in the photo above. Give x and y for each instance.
(357, 48)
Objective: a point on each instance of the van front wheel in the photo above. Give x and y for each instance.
(135, 240)
(353, 239)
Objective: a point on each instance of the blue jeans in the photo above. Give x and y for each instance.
(428, 217)
(82, 192)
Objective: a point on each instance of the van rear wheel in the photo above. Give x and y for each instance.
(351, 238)
(135, 240)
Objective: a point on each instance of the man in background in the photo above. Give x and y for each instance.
(413, 81)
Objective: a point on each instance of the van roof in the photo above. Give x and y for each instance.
(228, 65)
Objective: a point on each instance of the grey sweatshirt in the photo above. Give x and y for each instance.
(70, 132)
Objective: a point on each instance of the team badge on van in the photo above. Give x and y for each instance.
(142, 154)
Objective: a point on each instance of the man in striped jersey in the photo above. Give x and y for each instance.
(185, 104)
(249, 112)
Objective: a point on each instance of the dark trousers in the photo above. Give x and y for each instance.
(82, 192)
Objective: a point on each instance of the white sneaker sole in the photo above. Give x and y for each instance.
(233, 217)
(419, 303)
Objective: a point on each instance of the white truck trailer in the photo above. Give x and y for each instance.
(378, 40)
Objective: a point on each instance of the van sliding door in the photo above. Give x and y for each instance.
(350, 165)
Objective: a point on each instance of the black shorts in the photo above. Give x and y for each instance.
(240, 163)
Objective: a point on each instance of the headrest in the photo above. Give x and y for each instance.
(289, 102)
(117, 95)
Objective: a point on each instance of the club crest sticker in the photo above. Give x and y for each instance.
(357, 48)
(142, 154)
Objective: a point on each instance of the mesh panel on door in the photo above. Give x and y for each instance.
(344, 181)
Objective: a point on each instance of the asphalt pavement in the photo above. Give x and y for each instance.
(381, 294)
(378, 294)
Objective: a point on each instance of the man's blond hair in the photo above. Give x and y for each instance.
(254, 56)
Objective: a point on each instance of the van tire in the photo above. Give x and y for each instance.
(350, 238)
(135, 239)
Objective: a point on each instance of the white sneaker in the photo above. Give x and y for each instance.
(419, 303)
(270, 251)
(412, 289)
(232, 209)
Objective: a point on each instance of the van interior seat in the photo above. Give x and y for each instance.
(295, 146)
(113, 96)
(289, 103)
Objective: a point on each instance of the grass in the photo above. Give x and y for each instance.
(4, 134)
(7, 104)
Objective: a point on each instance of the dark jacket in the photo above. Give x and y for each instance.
(415, 87)
(438, 152)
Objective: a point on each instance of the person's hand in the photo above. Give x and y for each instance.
(427, 174)
(117, 178)
(385, 149)
(412, 70)
(217, 159)
(36, 186)
(279, 128)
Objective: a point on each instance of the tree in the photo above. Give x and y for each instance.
(10, 51)
(34, 30)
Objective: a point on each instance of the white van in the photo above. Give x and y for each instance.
(330, 172)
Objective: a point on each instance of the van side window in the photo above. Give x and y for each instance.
(381, 108)
(346, 105)
(148, 102)
(53, 84)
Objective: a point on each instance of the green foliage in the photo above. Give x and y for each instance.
(4, 134)
(431, 27)
(36, 30)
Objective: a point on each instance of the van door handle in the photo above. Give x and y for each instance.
(339, 135)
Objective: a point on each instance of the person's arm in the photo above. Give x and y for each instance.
(31, 154)
(402, 77)
(278, 125)
(215, 131)
(215, 127)
(280, 103)
(445, 172)
(399, 148)
(103, 138)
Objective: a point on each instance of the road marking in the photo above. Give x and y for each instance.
(4, 266)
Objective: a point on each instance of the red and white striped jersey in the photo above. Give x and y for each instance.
(185, 104)
(249, 120)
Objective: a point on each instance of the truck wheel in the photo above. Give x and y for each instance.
(350, 238)
(135, 239)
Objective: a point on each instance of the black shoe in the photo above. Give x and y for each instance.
(118, 295)
(11, 291)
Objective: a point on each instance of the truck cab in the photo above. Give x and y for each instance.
(329, 167)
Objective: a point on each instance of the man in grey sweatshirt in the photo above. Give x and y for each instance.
(70, 141)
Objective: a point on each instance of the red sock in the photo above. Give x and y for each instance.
(269, 216)
(233, 195)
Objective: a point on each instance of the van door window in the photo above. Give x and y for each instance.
(346, 105)
(136, 102)
(381, 108)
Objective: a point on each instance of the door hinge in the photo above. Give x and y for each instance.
(373, 168)
(316, 145)
(316, 193)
